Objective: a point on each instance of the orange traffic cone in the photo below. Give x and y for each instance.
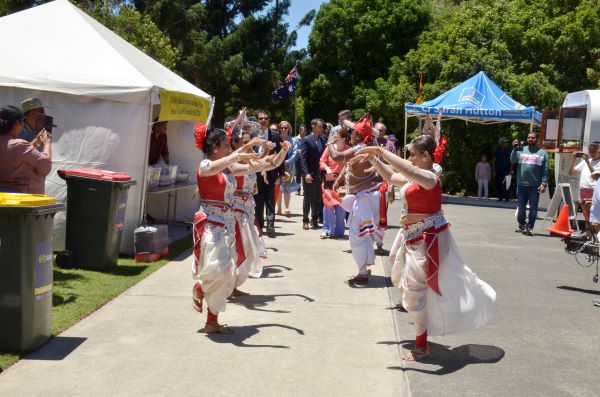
(562, 227)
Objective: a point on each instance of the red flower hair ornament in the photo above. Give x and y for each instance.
(200, 134)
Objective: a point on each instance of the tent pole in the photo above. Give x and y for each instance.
(144, 183)
(531, 127)
(405, 132)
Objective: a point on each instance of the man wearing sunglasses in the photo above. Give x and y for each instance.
(266, 188)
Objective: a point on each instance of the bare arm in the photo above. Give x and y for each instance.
(423, 178)
(214, 167)
(337, 155)
(265, 164)
(387, 173)
(572, 170)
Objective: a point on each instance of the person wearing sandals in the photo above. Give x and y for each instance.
(334, 216)
(365, 201)
(214, 265)
(441, 294)
(289, 184)
(250, 247)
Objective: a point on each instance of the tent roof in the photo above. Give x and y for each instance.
(57, 47)
(477, 99)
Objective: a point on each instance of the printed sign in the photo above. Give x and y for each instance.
(43, 269)
(184, 107)
(472, 95)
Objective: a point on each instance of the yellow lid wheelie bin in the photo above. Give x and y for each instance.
(26, 274)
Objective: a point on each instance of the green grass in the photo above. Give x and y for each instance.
(77, 293)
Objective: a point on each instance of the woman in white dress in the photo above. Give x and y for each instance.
(441, 294)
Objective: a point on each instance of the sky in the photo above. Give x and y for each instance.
(298, 9)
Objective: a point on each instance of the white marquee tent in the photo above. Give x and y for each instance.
(103, 93)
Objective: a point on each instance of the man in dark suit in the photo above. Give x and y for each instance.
(266, 189)
(310, 154)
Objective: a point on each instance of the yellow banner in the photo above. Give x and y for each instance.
(184, 107)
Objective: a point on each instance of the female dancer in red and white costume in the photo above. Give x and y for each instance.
(249, 245)
(442, 295)
(214, 266)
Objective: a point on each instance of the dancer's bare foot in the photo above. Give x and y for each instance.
(213, 327)
(197, 300)
(236, 292)
(416, 354)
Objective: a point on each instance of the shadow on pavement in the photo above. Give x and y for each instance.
(374, 282)
(575, 289)
(241, 334)
(281, 234)
(57, 348)
(256, 302)
(273, 269)
(452, 360)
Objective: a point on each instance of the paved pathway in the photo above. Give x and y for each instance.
(305, 333)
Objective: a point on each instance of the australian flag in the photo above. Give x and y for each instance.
(288, 87)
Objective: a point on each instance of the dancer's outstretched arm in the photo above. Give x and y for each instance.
(405, 168)
(240, 155)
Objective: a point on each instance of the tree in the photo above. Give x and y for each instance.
(352, 44)
(237, 51)
(536, 51)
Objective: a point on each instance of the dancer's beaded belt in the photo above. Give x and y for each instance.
(414, 231)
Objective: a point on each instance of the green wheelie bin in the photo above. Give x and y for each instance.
(96, 202)
(26, 226)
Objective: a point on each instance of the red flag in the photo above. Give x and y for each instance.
(419, 99)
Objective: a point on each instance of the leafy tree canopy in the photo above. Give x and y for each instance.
(352, 44)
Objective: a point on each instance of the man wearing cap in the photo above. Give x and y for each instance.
(365, 201)
(159, 146)
(34, 121)
(501, 168)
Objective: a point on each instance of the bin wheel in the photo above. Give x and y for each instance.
(66, 259)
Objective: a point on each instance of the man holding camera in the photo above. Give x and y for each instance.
(585, 169)
(35, 121)
(532, 179)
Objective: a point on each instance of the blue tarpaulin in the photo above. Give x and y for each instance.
(477, 99)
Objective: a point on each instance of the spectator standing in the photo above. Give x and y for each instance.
(532, 179)
(159, 146)
(288, 186)
(310, 154)
(342, 115)
(34, 121)
(585, 168)
(502, 167)
(24, 168)
(391, 143)
(265, 198)
(483, 174)
(382, 139)
(299, 174)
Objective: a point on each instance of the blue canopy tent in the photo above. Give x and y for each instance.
(477, 99)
